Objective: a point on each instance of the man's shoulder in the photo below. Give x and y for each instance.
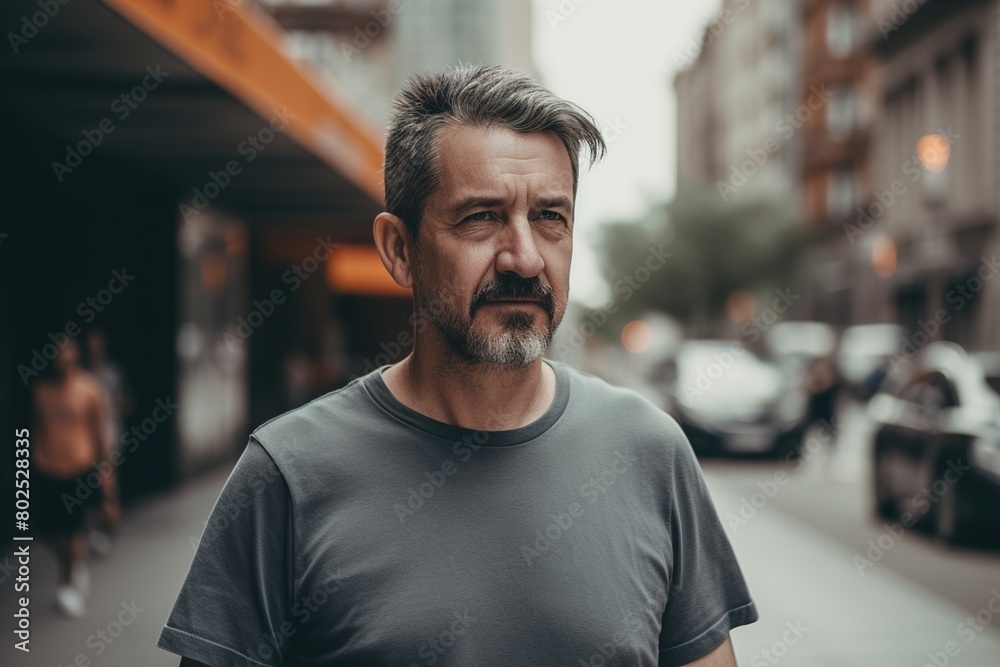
(316, 421)
(600, 399)
(89, 382)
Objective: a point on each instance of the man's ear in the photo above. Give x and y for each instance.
(395, 247)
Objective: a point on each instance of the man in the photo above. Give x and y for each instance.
(70, 439)
(472, 504)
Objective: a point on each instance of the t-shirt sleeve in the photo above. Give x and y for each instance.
(236, 594)
(708, 595)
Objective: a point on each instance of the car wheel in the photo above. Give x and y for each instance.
(788, 447)
(885, 503)
(949, 517)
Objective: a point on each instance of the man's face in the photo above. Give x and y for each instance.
(67, 357)
(495, 243)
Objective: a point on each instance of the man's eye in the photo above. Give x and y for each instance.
(549, 215)
(480, 216)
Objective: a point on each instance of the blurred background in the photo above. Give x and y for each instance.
(790, 248)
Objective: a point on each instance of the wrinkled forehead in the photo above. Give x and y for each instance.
(476, 158)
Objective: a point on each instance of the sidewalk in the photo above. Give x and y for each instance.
(132, 590)
(816, 610)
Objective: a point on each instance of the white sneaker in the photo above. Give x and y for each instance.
(69, 600)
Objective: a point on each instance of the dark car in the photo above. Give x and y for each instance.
(730, 401)
(937, 444)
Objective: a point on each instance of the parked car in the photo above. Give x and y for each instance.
(937, 444)
(864, 350)
(729, 400)
(806, 340)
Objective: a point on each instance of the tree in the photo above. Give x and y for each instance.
(715, 249)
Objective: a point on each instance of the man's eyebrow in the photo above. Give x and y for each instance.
(475, 201)
(478, 201)
(554, 202)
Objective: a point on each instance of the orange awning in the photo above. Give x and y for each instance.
(238, 47)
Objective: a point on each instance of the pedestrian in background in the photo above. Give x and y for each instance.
(70, 438)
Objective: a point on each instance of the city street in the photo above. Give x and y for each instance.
(798, 551)
(811, 550)
(754, 215)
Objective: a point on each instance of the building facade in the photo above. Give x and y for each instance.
(737, 130)
(837, 170)
(371, 46)
(932, 229)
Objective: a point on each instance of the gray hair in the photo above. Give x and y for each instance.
(479, 96)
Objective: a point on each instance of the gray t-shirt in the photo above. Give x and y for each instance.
(356, 531)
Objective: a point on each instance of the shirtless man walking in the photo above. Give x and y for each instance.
(71, 438)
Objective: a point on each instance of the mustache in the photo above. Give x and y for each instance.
(512, 286)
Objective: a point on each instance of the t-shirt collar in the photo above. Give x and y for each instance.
(380, 393)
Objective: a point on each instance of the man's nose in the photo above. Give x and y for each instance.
(519, 251)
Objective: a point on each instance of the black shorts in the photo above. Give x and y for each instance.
(59, 506)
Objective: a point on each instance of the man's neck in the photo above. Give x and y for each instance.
(484, 397)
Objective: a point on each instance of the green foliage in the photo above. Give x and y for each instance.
(716, 248)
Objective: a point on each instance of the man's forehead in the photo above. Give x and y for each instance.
(474, 157)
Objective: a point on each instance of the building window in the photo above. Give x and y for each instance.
(840, 193)
(841, 113)
(968, 49)
(841, 30)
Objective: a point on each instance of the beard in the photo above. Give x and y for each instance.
(518, 340)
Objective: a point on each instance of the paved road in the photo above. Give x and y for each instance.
(136, 584)
(814, 552)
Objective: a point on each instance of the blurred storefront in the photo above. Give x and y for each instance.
(178, 144)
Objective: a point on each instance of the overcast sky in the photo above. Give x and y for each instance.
(617, 59)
